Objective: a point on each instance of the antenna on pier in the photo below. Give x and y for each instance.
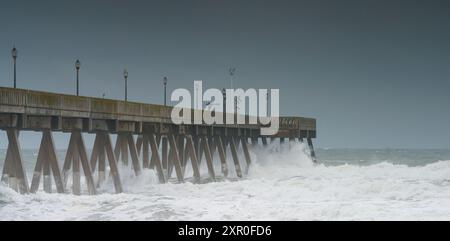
(231, 71)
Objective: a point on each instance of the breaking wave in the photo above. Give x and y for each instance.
(279, 186)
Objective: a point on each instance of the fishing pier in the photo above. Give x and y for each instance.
(146, 138)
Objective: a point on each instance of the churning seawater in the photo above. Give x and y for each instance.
(347, 184)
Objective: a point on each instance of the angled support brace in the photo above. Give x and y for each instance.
(193, 156)
(102, 145)
(235, 157)
(13, 170)
(311, 149)
(208, 157)
(76, 155)
(248, 160)
(223, 159)
(175, 157)
(47, 163)
(155, 157)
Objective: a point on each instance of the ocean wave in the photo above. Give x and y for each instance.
(279, 186)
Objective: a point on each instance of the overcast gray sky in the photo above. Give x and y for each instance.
(373, 73)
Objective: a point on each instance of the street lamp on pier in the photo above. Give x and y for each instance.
(125, 75)
(14, 55)
(165, 89)
(77, 67)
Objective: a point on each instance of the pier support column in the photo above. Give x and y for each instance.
(223, 160)
(124, 151)
(246, 154)
(311, 149)
(182, 151)
(193, 156)
(134, 154)
(212, 145)
(198, 151)
(282, 144)
(186, 155)
(264, 141)
(102, 145)
(47, 163)
(121, 150)
(145, 152)
(237, 142)
(76, 153)
(155, 160)
(139, 143)
(125, 142)
(95, 155)
(154, 154)
(237, 165)
(170, 160)
(208, 157)
(13, 170)
(47, 174)
(165, 155)
(9, 173)
(175, 157)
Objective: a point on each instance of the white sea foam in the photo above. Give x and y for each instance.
(284, 186)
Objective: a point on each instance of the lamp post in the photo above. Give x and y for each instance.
(77, 67)
(231, 71)
(224, 95)
(165, 89)
(14, 55)
(125, 75)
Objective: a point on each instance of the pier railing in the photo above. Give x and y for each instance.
(160, 144)
(30, 102)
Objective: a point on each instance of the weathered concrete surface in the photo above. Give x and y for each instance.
(34, 110)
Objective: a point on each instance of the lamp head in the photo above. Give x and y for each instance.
(14, 52)
(77, 64)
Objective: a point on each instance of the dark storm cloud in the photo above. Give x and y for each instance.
(373, 73)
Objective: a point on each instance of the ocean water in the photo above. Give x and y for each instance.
(347, 184)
